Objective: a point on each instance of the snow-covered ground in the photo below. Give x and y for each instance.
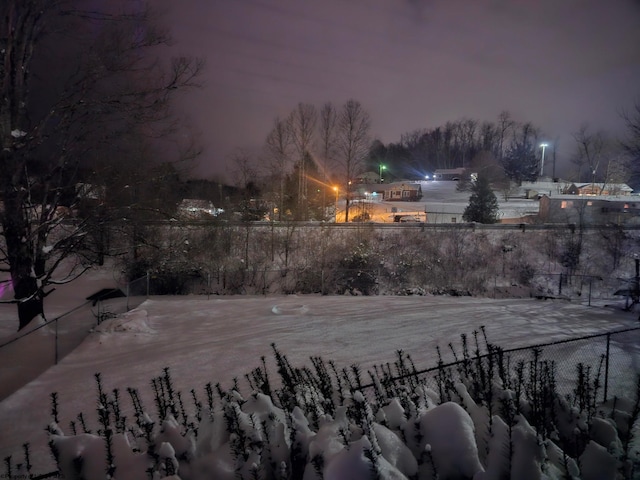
(216, 340)
(223, 338)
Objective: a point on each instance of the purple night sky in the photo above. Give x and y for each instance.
(411, 63)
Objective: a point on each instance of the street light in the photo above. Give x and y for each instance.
(336, 214)
(543, 145)
(382, 167)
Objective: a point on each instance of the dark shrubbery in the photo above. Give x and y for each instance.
(358, 272)
(365, 259)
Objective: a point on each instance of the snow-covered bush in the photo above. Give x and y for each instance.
(358, 271)
(479, 418)
(230, 258)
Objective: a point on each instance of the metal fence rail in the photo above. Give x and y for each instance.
(611, 359)
(584, 289)
(66, 331)
(54, 339)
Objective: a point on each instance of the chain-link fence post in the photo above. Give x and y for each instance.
(128, 291)
(560, 286)
(606, 369)
(56, 345)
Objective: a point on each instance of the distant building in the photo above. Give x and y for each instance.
(589, 210)
(599, 189)
(403, 192)
(449, 174)
(564, 187)
(542, 187)
(192, 208)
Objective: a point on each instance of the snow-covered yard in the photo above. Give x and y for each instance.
(224, 338)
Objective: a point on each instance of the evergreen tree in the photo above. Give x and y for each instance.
(521, 162)
(483, 204)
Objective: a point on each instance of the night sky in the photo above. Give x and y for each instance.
(411, 63)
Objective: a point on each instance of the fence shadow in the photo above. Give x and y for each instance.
(27, 353)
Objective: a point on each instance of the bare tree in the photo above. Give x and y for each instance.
(468, 129)
(506, 126)
(590, 150)
(631, 143)
(327, 141)
(488, 140)
(415, 146)
(302, 124)
(105, 91)
(279, 145)
(353, 143)
(245, 172)
(327, 127)
(616, 173)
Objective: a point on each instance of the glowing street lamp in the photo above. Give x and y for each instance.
(382, 167)
(543, 145)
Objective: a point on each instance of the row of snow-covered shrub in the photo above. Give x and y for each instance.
(481, 418)
(370, 259)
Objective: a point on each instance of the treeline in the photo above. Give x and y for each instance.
(458, 143)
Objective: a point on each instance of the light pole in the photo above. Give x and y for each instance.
(543, 145)
(382, 167)
(336, 214)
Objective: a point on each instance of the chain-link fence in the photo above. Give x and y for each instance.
(611, 361)
(53, 339)
(378, 280)
(601, 367)
(585, 289)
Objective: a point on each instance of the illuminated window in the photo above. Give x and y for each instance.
(589, 203)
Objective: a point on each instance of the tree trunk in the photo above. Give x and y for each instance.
(29, 309)
(22, 264)
(25, 284)
(346, 209)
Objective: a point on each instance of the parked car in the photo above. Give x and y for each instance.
(406, 218)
